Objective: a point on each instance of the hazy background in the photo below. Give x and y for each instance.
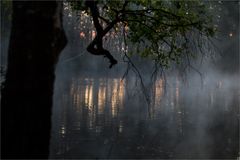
(97, 114)
(191, 115)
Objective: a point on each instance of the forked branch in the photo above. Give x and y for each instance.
(96, 46)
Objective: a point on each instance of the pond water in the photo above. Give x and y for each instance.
(96, 114)
(95, 117)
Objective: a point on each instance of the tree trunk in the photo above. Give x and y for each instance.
(37, 38)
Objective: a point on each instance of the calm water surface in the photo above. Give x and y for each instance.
(109, 118)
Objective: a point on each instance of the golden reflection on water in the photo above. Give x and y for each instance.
(158, 91)
(109, 92)
(106, 96)
(63, 130)
(91, 98)
(93, 103)
(117, 96)
(88, 98)
(96, 98)
(121, 93)
(101, 98)
(114, 98)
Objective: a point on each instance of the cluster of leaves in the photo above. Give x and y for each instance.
(160, 30)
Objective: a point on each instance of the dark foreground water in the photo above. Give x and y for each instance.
(97, 117)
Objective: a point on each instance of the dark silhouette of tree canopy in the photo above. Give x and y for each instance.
(161, 30)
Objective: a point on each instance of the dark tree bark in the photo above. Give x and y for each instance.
(37, 38)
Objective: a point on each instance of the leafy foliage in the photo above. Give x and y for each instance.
(159, 30)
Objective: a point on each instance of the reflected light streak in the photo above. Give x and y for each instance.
(89, 96)
(121, 93)
(114, 97)
(158, 91)
(63, 131)
(75, 94)
(101, 98)
(120, 129)
(89, 101)
(117, 96)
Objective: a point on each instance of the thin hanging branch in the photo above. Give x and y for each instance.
(135, 69)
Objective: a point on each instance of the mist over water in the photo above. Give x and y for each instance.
(97, 114)
(106, 117)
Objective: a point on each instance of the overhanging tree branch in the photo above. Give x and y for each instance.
(96, 46)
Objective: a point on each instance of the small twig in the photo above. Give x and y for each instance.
(135, 69)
